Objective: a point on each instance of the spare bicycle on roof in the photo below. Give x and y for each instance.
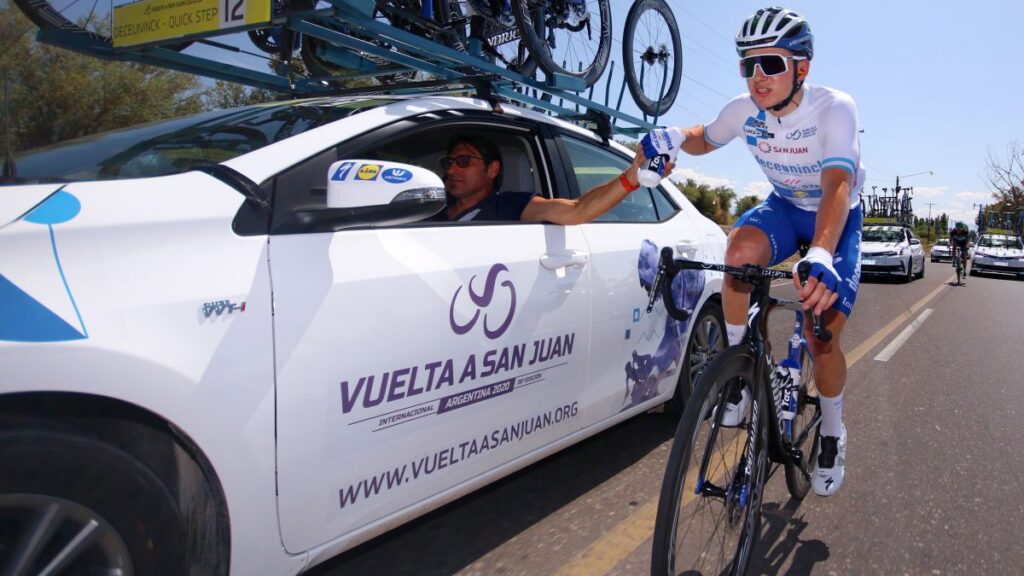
(315, 47)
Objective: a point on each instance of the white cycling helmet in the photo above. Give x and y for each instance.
(776, 27)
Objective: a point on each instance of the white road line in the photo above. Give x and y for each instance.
(893, 346)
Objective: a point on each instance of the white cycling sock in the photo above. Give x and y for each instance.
(831, 415)
(735, 332)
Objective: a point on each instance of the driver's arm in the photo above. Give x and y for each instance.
(589, 206)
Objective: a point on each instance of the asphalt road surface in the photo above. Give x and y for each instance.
(934, 465)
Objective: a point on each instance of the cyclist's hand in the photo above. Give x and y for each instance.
(666, 141)
(821, 290)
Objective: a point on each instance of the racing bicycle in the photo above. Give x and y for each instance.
(958, 263)
(710, 505)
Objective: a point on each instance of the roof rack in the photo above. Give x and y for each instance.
(347, 26)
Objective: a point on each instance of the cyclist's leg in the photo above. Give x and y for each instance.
(830, 361)
(764, 236)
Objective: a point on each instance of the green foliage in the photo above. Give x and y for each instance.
(56, 95)
(744, 204)
(715, 203)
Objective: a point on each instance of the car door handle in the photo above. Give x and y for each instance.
(568, 259)
(687, 247)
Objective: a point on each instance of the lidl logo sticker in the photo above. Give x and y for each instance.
(368, 172)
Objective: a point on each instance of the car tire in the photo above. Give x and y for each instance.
(921, 273)
(707, 339)
(971, 272)
(910, 270)
(70, 484)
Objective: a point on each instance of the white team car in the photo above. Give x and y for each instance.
(235, 342)
(940, 250)
(998, 253)
(892, 250)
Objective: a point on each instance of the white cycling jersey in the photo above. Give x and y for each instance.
(793, 150)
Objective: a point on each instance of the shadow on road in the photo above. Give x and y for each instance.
(456, 535)
(780, 543)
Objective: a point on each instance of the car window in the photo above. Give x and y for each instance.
(593, 166)
(304, 185)
(181, 144)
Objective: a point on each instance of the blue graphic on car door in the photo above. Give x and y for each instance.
(22, 317)
(645, 371)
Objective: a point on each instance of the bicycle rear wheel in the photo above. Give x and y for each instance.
(652, 54)
(803, 434)
(709, 511)
(569, 37)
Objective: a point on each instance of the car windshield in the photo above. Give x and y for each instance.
(880, 234)
(1000, 242)
(178, 145)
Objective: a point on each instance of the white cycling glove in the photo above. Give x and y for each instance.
(662, 141)
(821, 268)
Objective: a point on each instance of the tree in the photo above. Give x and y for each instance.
(1006, 178)
(56, 95)
(715, 203)
(746, 203)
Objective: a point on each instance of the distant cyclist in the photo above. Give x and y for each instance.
(958, 238)
(804, 137)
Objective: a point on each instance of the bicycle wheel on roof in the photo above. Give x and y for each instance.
(567, 37)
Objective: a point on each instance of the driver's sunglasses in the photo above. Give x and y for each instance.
(462, 161)
(771, 64)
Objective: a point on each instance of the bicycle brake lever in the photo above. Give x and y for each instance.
(803, 271)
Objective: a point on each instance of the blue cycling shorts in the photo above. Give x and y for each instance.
(788, 226)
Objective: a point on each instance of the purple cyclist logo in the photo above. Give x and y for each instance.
(483, 301)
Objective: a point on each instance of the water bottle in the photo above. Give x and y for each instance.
(654, 172)
(666, 143)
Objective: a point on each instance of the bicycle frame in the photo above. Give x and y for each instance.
(761, 302)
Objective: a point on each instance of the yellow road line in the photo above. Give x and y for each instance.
(622, 540)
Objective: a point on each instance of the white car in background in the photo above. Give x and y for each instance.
(940, 250)
(235, 342)
(1001, 253)
(891, 250)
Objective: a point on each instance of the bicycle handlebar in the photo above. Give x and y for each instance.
(669, 266)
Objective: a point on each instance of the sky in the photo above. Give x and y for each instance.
(939, 87)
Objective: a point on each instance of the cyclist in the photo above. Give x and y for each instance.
(958, 237)
(804, 137)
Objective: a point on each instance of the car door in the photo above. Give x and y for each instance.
(635, 355)
(416, 362)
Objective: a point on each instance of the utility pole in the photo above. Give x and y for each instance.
(930, 204)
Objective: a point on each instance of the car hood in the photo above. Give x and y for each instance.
(873, 247)
(999, 252)
(17, 201)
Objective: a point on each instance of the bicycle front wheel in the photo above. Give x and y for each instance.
(652, 54)
(87, 24)
(710, 506)
(569, 37)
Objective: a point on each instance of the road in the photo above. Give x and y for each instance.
(934, 465)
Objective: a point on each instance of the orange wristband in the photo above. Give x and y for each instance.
(625, 183)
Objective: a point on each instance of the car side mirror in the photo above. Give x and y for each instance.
(914, 241)
(370, 193)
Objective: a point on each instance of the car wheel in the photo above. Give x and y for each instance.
(707, 339)
(921, 273)
(972, 272)
(85, 507)
(910, 270)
